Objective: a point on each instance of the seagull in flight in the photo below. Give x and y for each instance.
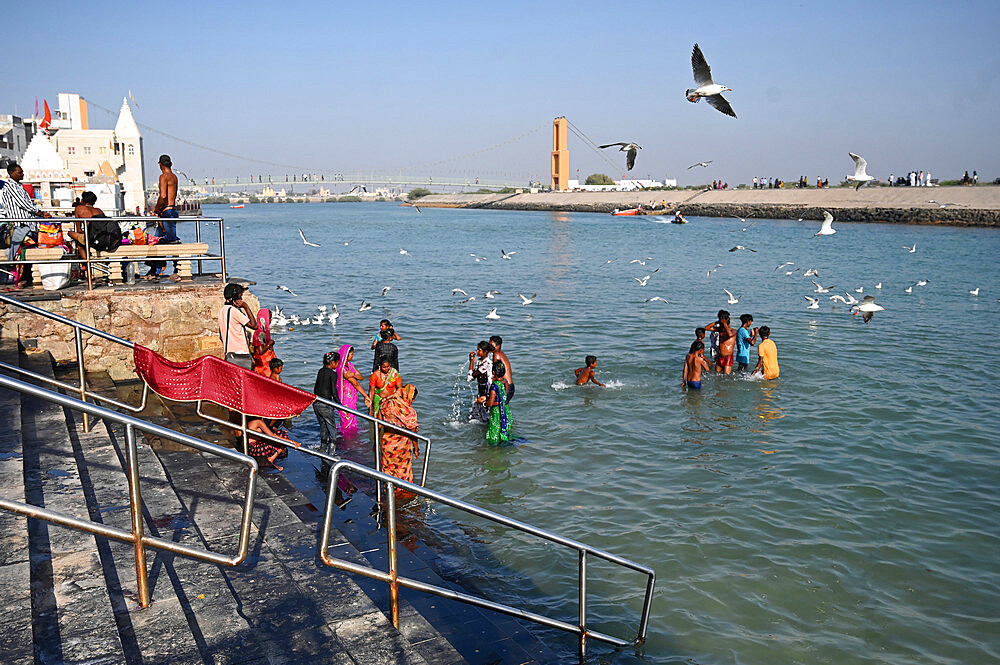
(527, 301)
(827, 228)
(478, 258)
(812, 272)
(630, 147)
(941, 205)
(492, 294)
(813, 302)
(403, 252)
(911, 250)
(282, 287)
(836, 296)
(867, 308)
(702, 164)
(715, 269)
(656, 299)
(640, 261)
(707, 88)
(821, 289)
(493, 316)
(334, 315)
(732, 299)
(456, 291)
(609, 261)
(506, 255)
(859, 176)
(470, 298)
(789, 273)
(306, 242)
(739, 247)
(348, 242)
(365, 306)
(785, 265)
(385, 290)
(643, 281)
(415, 207)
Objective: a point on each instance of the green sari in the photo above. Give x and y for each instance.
(377, 400)
(500, 418)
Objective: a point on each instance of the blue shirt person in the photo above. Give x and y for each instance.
(746, 339)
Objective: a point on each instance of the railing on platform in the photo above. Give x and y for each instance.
(85, 393)
(395, 581)
(136, 536)
(91, 259)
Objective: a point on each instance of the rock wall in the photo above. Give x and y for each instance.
(179, 322)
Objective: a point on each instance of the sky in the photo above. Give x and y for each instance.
(470, 89)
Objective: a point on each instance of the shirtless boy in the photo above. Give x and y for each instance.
(496, 342)
(727, 342)
(586, 373)
(694, 363)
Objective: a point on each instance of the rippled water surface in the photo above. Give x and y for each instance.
(844, 513)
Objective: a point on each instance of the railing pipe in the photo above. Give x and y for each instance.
(582, 577)
(393, 570)
(222, 250)
(72, 388)
(135, 504)
(82, 374)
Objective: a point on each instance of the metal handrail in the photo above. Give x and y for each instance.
(136, 535)
(80, 328)
(221, 257)
(394, 580)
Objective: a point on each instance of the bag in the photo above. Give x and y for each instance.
(55, 275)
(50, 234)
(105, 235)
(6, 233)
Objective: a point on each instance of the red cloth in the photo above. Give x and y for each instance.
(212, 379)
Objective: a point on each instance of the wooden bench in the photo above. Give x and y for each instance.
(130, 253)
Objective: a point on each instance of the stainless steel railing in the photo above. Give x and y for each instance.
(395, 580)
(137, 536)
(197, 221)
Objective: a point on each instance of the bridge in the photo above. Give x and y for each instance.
(342, 183)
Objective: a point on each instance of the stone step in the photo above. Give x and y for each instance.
(71, 615)
(15, 575)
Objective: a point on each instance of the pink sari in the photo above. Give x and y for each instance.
(347, 394)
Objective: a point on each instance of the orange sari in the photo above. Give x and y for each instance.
(399, 450)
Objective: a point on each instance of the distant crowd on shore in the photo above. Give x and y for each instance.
(914, 179)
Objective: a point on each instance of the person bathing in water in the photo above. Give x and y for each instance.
(586, 373)
(499, 356)
(480, 369)
(727, 342)
(746, 338)
(694, 363)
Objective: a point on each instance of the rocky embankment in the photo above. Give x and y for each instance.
(964, 206)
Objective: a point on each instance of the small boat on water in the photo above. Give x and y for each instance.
(678, 219)
(624, 213)
(238, 205)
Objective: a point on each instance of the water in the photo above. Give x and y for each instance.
(843, 513)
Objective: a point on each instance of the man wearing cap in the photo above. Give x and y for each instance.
(166, 210)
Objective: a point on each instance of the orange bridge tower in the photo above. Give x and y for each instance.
(560, 155)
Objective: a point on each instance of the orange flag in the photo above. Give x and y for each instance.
(47, 120)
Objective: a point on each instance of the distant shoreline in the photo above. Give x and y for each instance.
(974, 206)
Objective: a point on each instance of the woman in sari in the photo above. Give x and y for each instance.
(263, 345)
(348, 388)
(399, 450)
(383, 383)
(496, 402)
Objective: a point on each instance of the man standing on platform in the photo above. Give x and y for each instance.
(166, 210)
(17, 204)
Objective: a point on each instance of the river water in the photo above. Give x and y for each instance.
(846, 512)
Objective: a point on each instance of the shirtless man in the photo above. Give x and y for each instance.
(85, 210)
(727, 342)
(166, 210)
(694, 363)
(499, 355)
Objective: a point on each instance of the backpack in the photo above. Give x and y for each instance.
(105, 235)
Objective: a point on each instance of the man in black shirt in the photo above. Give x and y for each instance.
(326, 387)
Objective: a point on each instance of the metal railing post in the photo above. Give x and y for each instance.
(89, 251)
(583, 604)
(78, 335)
(197, 238)
(378, 465)
(135, 504)
(222, 248)
(393, 571)
(246, 444)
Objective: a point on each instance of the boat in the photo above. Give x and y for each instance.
(238, 205)
(678, 219)
(623, 213)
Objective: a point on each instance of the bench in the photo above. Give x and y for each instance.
(117, 259)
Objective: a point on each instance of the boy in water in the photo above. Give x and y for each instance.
(727, 342)
(586, 373)
(275, 366)
(746, 337)
(694, 363)
(499, 356)
(767, 364)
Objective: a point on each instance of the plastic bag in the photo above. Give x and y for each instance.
(55, 276)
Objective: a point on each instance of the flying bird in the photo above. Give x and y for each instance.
(527, 301)
(478, 258)
(821, 289)
(415, 207)
(282, 287)
(492, 294)
(739, 247)
(306, 242)
(493, 316)
(784, 265)
(860, 289)
(630, 147)
(334, 315)
(789, 273)
(911, 250)
(732, 299)
(703, 164)
(643, 281)
(506, 255)
(403, 252)
(656, 299)
(348, 242)
(812, 272)
(640, 261)
(456, 291)
(469, 299)
(715, 269)
(837, 296)
(941, 205)
(707, 88)
(609, 261)
(921, 282)
(827, 228)
(385, 290)
(813, 302)
(859, 176)
(365, 306)
(867, 308)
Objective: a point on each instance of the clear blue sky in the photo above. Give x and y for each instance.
(390, 86)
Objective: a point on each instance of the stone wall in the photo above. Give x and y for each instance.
(180, 322)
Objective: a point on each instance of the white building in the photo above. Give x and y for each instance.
(14, 137)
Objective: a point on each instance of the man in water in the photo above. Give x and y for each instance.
(727, 342)
(499, 355)
(694, 363)
(586, 373)
(480, 369)
(746, 337)
(767, 364)
(166, 210)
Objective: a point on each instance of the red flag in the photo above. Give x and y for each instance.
(36, 106)
(47, 120)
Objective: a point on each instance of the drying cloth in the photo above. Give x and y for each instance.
(212, 379)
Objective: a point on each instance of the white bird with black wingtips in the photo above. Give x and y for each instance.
(525, 300)
(860, 176)
(707, 88)
(493, 316)
(282, 287)
(813, 302)
(867, 308)
(827, 228)
(732, 299)
(306, 242)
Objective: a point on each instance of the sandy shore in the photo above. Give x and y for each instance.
(976, 206)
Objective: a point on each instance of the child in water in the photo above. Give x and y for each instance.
(586, 373)
(694, 363)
